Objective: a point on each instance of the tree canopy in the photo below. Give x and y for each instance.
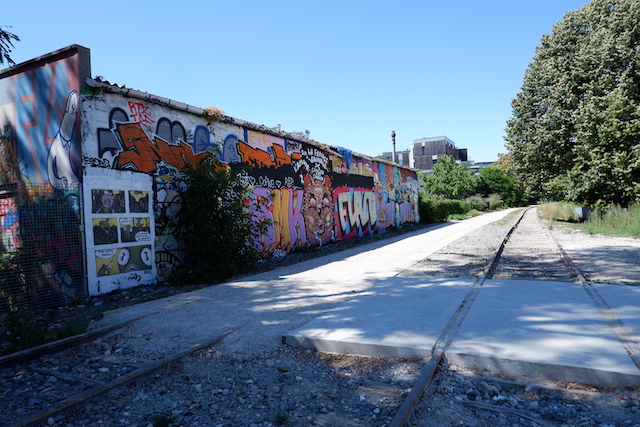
(6, 45)
(450, 180)
(494, 180)
(575, 130)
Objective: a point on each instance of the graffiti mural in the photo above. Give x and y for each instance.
(357, 212)
(41, 168)
(9, 225)
(302, 193)
(44, 112)
(317, 208)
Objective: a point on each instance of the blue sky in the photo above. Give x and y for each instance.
(348, 71)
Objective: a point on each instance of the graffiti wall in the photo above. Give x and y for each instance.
(307, 193)
(39, 104)
(40, 169)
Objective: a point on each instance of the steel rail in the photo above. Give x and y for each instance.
(79, 399)
(613, 321)
(446, 337)
(58, 345)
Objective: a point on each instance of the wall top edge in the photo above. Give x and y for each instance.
(106, 86)
(44, 59)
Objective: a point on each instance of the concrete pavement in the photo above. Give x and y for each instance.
(538, 329)
(264, 307)
(353, 302)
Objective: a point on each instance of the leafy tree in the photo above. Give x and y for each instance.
(6, 45)
(494, 180)
(575, 130)
(221, 232)
(450, 180)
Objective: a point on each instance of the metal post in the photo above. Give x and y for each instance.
(393, 143)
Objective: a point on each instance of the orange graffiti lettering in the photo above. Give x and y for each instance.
(143, 155)
(275, 157)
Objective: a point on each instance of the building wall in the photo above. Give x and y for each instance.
(312, 193)
(40, 173)
(120, 156)
(425, 150)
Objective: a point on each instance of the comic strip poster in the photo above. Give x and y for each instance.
(120, 230)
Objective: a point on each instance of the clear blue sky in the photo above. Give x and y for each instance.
(349, 71)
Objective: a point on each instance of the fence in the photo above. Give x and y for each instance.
(41, 247)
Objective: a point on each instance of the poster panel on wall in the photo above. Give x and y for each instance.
(120, 230)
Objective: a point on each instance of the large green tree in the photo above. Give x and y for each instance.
(575, 130)
(6, 45)
(450, 180)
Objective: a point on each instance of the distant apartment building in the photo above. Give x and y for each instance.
(402, 157)
(424, 152)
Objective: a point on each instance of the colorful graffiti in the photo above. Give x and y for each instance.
(40, 167)
(142, 154)
(302, 194)
(317, 208)
(46, 105)
(357, 212)
(51, 239)
(170, 232)
(9, 225)
(8, 164)
(279, 209)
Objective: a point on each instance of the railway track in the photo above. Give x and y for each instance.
(529, 251)
(68, 373)
(61, 377)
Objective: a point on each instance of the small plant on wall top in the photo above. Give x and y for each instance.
(221, 234)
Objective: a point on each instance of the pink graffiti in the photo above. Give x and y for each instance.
(283, 224)
(9, 225)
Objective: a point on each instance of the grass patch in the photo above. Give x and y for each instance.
(281, 418)
(72, 327)
(23, 330)
(611, 221)
(508, 218)
(466, 215)
(559, 211)
(163, 420)
(614, 221)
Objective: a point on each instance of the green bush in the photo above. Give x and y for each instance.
(477, 203)
(433, 209)
(494, 201)
(221, 231)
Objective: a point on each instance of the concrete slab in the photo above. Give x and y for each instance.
(541, 329)
(625, 302)
(399, 317)
(537, 329)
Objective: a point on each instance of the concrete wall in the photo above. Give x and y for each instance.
(312, 193)
(40, 171)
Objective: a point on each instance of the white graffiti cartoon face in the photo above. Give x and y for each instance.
(59, 166)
